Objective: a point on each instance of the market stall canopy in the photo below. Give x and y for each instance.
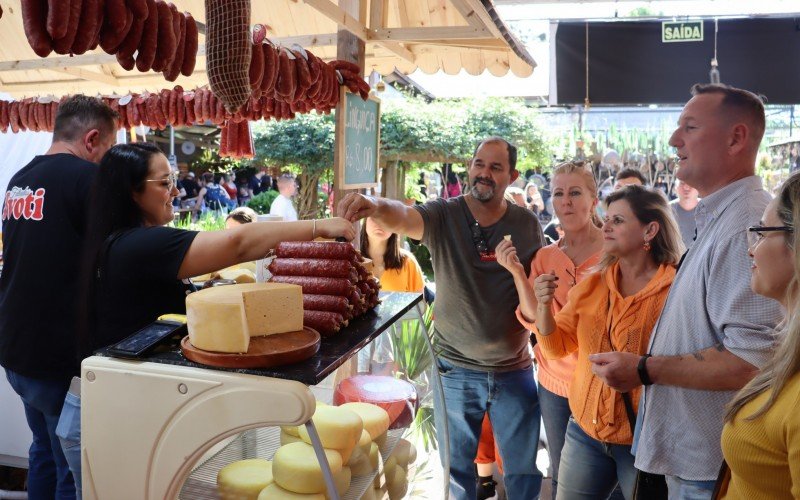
(401, 35)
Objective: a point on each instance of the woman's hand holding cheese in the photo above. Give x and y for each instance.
(507, 257)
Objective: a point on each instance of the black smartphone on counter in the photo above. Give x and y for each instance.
(145, 340)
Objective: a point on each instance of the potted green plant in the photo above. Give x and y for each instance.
(413, 193)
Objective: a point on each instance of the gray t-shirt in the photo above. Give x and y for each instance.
(686, 224)
(476, 326)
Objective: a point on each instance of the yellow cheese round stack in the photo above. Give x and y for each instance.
(404, 453)
(338, 428)
(295, 468)
(376, 420)
(275, 492)
(222, 319)
(244, 480)
(287, 438)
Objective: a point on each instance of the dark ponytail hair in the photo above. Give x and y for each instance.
(122, 173)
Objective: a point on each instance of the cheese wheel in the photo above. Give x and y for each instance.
(389, 466)
(370, 495)
(397, 483)
(244, 480)
(342, 481)
(405, 453)
(338, 427)
(374, 460)
(380, 440)
(359, 463)
(287, 438)
(397, 397)
(375, 418)
(295, 468)
(222, 319)
(275, 492)
(365, 442)
(238, 275)
(292, 430)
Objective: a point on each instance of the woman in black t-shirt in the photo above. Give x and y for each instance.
(137, 268)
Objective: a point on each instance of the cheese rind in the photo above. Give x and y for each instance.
(244, 479)
(295, 468)
(338, 427)
(275, 492)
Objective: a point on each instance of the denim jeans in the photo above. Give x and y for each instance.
(69, 433)
(590, 469)
(684, 489)
(555, 415)
(510, 399)
(48, 473)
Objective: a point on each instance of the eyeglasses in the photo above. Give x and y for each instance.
(573, 276)
(479, 239)
(171, 180)
(756, 233)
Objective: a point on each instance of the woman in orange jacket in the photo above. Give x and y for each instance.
(613, 309)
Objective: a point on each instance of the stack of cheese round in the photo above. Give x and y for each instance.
(295, 468)
(244, 480)
(395, 469)
(397, 397)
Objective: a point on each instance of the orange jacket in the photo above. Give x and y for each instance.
(583, 325)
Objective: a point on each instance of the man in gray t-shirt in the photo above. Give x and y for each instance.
(483, 354)
(683, 209)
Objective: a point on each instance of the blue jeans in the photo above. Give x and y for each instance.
(684, 489)
(48, 473)
(555, 415)
(590, 469)
(510, 399)
(69, 433)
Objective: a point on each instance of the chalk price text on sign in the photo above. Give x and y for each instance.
(689, 31)
(359, 158)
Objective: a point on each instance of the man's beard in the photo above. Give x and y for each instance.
(485, 195)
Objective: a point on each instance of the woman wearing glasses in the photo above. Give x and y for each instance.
(761, 437)
(574, 195)
(612, 309)
(139, 268)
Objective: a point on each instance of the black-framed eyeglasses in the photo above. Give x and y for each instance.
(479, 239)
(756, 233)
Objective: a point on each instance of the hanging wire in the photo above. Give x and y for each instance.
(713, 74)
(586, 102)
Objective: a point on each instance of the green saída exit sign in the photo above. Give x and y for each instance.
(687, 31)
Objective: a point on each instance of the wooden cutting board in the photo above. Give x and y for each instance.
(264, 352)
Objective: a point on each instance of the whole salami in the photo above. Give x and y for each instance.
(325, 322)
(149, 41)
(34, 20)
(228, 51)
(190, 50)
(318, 286)
(316, 250)
(329, 268)
(332, 303)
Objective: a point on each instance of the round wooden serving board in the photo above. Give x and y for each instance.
(264, 352)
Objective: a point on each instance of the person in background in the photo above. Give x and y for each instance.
(243, 192)
(229, 185)
(533, 198)
(714, 332)
(453, 187)
(516, 196)
(627, 177)
(190, 185)
(267, 182)
(683, 208)
(612, 309)
(483, 352)
(761, 436)
(397, 269)
(573, 257)
(44, 226)
(283, 205)
(212, 196)
(239, 216)
(254, 184)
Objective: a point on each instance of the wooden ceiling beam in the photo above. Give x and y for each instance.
(378, 14)
(399, 50)
(432, 33)
(468, 13)
(85, 74)
(479, 11)
(340, 17)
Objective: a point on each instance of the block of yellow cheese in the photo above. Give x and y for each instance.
(243, 480)
(275, 492)
(222, 319)
(338, 427)
(295, 468)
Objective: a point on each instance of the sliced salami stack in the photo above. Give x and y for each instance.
(336, 285)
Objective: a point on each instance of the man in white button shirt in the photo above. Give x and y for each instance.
(283, 203)
(714, 333)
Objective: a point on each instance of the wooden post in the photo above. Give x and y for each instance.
(348, 48)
